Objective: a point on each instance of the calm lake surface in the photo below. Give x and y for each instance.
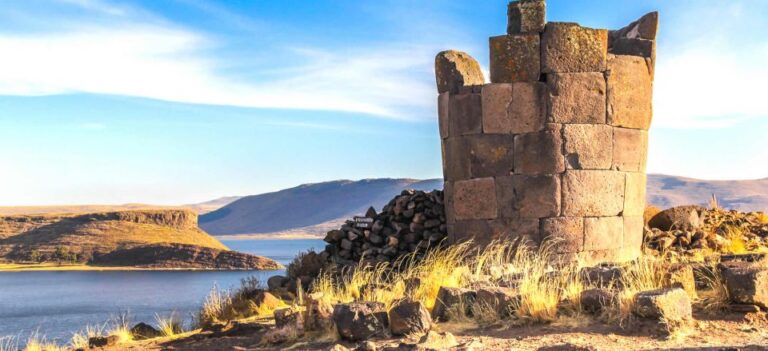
(57, 304)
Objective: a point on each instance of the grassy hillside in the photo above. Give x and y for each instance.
(307, 205)
(200, 208)
(79, 238)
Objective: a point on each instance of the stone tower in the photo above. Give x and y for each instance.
(555, 146)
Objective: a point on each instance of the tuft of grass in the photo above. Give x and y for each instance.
(39, 343)
(762, 217)
(716, 298)
(170, 325)
(227, 305)
(645, 273)
(544, 290)
(80, 339)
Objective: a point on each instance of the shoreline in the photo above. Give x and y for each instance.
(55, 267)
(272, 236)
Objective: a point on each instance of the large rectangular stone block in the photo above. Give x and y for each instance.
(469, 230)
(456, 162)
(515, 58)
(528, 196)
(475, 199)
(588, 146)
(634, 194)
(593, 193)
(526, 16)
(630, 92)
(630, 149)
(603, 233)
(568, 47)
(466, 114)
(633, 234)
(496, 100)
(540, 152)
(443, 107)
(490, 155)
(576, 97)
(511, 228)
(566, 234)
(528, 110)
(450, 218)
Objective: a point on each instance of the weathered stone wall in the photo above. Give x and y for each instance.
(555, 146)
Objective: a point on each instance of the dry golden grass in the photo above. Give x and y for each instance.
(170, 325)
(223, 306)
(38, 343)
(80, 339)
(645, 273)
(762, 217)
(9, 343)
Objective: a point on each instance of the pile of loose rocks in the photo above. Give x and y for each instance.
(690, 231)
(411, 223)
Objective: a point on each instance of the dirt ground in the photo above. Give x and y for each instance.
(724, 332)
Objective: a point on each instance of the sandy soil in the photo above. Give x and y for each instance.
(727, 332)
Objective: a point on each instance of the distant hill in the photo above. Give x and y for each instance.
(149, 238)
(307, 205)
(743, 195)
(200, 208)
(313, 209)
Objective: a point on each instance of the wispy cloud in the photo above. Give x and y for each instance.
(713, 76)
(166, 62)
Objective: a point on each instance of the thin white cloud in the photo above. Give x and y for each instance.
(711, 76)
(163, 62)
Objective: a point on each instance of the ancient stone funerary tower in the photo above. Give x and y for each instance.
(555, 146)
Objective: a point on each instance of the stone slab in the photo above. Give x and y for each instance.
(577, 97)
(475, 199)
(466, 114)
(566, 234)
(630, 92)
(456, 69)
(593, 193)
(540, 152)
(528, 110)
(526, 16)
(603, 233)
(455, 160)
(588, 146)
(515, 58)
(496, 101)
(634, 194)
(528, 196)
(443, 107)
(630, 149)
(568, 47)
(633, 234)
(490, 155)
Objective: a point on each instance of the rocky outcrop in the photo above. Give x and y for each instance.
(184, 256)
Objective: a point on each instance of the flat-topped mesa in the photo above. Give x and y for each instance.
(554, 148)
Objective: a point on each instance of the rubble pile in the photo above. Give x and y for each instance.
(410, 223)
(694, 231)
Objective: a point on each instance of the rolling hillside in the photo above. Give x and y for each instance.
(313, 209)
(307, 205)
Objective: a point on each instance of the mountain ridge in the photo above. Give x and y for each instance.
(264, 214)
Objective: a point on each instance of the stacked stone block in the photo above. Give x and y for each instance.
(554, 148)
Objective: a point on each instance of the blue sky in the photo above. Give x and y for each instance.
(181, 101)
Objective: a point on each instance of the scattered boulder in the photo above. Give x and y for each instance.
(277, 282)
(358, 321)
(367, 346)
(502, 300)
(671, 304)
(746, 283)
(268, 301)
(452, 300)
(338, 347)
(103, 341)
(681, 276)
(409, 317)
(742, 308)
(596, 300)
(603, 276)
(143, 331)
(455, 70)
(289, 317)
(680, 217)
(318, 314)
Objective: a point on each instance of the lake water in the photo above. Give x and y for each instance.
(57, 304)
